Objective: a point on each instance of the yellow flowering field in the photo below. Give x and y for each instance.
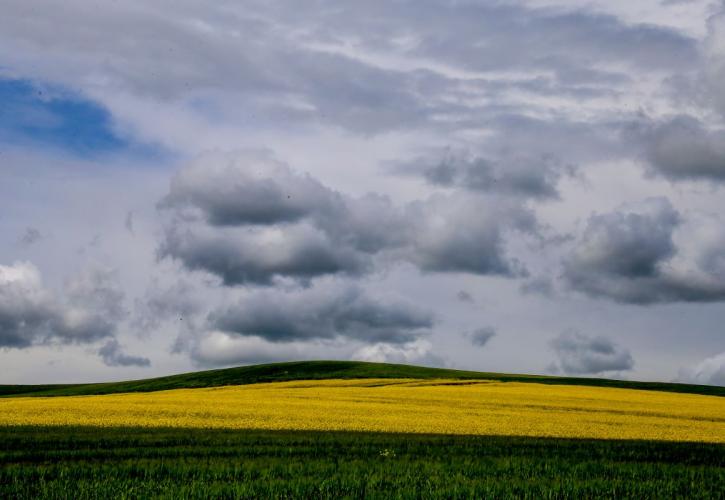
(400, 405)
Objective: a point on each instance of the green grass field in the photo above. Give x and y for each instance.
(171, 463)
(315, 370)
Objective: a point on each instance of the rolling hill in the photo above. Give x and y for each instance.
(317, 370)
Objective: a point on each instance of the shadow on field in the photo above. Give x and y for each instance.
(183, 463)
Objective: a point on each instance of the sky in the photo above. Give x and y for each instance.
(531, 186)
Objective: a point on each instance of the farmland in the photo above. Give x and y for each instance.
(395, 405)
(357, 430)
(176, 463)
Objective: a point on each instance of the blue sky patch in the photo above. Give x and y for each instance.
(52, 116)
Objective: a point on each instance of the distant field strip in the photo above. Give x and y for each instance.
(389, 405)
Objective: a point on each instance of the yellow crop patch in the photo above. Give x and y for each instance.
(414, 406)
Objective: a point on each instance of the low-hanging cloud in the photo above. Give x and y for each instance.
(418, 352)
(31, 314)
(578, 354)
(217, 348)
(113, 354)
(333, 312)
(333, 319)
(710, 371)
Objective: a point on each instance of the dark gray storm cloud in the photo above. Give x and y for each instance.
(627, 244)
(482, 336)
(242, 256)
(30, 314)
(112, 354)
(630, 256)
(296, 228)
(682, 148)
(260, 221)
(327, 313)
(578, 354)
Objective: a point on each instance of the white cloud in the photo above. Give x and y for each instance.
(222, 349)
(710, 371)
(418, 352)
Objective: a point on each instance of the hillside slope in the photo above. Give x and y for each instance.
(315, 370)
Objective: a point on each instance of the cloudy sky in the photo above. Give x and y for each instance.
(531, 186)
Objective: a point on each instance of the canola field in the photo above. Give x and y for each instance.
(453, 407)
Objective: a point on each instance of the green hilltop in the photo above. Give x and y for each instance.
(318, 370)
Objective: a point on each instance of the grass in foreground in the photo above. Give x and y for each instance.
(392, 405)
(38, 462)
(316, 370)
